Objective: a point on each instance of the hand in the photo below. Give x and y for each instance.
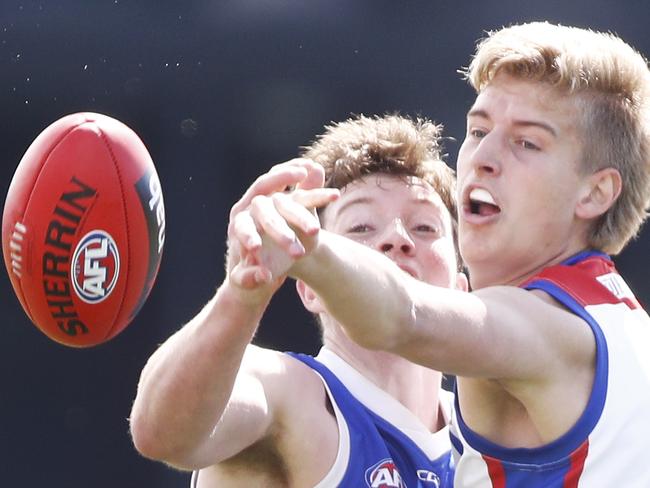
(286, 228)
(264, 199)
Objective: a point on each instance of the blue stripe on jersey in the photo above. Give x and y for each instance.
(374, 442)
(574, 438)
(608, 419)
(549, 478)
(456, 442)
(591, 415)
(581, 256)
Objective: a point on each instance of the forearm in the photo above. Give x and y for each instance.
(186, 384)
(360, 288)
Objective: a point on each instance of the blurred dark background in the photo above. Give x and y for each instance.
(219, 91)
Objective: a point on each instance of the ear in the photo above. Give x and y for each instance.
(599, 193)
(309, 298)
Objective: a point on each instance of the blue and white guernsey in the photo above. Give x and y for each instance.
(382, 444)
(608, 446)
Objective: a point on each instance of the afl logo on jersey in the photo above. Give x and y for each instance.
(95, 266)
(384, 474)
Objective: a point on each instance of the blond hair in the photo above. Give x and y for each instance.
(611, 85)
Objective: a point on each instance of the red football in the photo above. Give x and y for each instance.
(83, 229)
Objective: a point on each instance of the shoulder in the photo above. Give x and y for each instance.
(534, 307)
(281, 371)
(536, 325)
(302, 442)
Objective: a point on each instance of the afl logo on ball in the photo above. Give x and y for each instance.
(95, 266)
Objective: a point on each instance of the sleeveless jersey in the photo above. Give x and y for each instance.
(608, 446)
(381, 443)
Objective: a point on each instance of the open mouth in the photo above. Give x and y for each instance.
(482, 203)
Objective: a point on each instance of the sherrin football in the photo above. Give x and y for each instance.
(83, 229)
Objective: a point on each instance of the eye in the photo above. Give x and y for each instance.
(528, 145)
(426, 228)
(478, 133)
(359, 229)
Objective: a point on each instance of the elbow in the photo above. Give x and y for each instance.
(383, 325)
(367, 341)
(157, 444)
(146, 440)
(152, 442)
(392, 328)
(386, 338)
(392, 333)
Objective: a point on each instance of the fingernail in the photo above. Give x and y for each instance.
(311, 229)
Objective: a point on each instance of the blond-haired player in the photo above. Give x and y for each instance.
(551, 347)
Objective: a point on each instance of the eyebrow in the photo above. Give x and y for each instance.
(366, 200)
(355, 201)
(477, 112)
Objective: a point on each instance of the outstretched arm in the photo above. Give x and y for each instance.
(202, 396)
(502, 332)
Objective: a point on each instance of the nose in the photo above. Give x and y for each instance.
(396, 239)
(485, 157)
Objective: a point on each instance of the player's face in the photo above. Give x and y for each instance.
(404, 219)
(518, 181)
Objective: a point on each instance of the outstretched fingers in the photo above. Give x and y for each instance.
(284, 215)
(268, 209)
(314, 198)
(293, 173)
(271, 217)
(315, 177)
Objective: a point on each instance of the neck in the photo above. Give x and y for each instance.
(414, 386)
(492, 273)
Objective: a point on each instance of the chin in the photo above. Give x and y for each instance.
(475, 251)
(482, 263)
